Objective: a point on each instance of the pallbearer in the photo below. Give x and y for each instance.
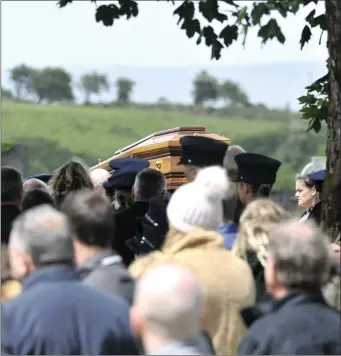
(199, 152)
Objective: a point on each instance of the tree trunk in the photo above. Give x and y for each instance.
(332, 188)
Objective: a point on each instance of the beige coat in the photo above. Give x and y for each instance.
(226, 280)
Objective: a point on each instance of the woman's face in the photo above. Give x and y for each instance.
(305, 195)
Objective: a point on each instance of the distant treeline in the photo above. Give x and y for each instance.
(55, 85)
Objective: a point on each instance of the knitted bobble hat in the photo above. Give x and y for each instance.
(199, 203)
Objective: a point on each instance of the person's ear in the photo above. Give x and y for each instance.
(21, 263)
(136, 322)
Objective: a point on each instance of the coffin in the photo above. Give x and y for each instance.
(163, 150)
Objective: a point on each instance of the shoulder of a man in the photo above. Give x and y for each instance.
(114, 279)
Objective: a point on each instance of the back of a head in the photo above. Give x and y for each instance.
(36, 197)
(199, 203)
(11, 184)
(230, 163)
(301, 254)
(71, 177)
(34, 183)
(148, 184)
(90, 217)
(256, 222)
(98, 177)
(170, 299)
(44, 233)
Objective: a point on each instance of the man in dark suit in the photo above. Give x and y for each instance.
(298, 320)
(148, 184)
(93, 228)
(56, 314)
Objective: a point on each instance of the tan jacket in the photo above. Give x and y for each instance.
(226, 280)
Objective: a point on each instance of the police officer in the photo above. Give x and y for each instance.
(121, 182)
(256, 176)
(199, 152)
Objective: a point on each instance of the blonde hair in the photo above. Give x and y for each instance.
(70, 177)
(256, 222)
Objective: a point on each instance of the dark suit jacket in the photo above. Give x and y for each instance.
(57, 315)
(299, 324)
(8, 215)
(125, 223)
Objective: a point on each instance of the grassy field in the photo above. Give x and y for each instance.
(99, 132)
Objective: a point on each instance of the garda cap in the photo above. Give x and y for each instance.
(202, 151)
(318, 177)
(254, 168)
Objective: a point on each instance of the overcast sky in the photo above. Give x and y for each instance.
(38, 33)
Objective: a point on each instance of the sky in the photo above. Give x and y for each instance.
(38, 33)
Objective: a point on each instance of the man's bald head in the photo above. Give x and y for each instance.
(98, 176)
(168, 298)
(34, 183)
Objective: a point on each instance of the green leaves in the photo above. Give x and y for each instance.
(315, 103)
(229, 34)
(271, 30)
(305, 36)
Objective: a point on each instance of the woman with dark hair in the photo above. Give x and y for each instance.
(309, 195)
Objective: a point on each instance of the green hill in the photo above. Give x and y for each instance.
(99, 132)
(53, 133)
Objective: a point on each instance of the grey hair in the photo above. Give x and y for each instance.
(148, 184)
(229, 162)
(301, 254)
(44, 233)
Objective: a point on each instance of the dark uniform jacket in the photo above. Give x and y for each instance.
(57, 315)
(107, 273)
(126, 225)
(299, 324)
(8, 214)
(314, 213)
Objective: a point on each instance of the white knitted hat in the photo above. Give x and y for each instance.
(199, 203)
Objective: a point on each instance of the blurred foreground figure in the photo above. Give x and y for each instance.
(56, 314)
(299, 321)
(11, 195)
(98, 177)
(167, 311)
(93, 229)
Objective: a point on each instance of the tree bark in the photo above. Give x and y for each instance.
(332, 188)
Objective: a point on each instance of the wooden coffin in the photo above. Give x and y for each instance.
(163, 150)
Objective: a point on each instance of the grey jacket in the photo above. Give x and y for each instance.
(107, 273)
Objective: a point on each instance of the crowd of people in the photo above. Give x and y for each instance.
(114, 264)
